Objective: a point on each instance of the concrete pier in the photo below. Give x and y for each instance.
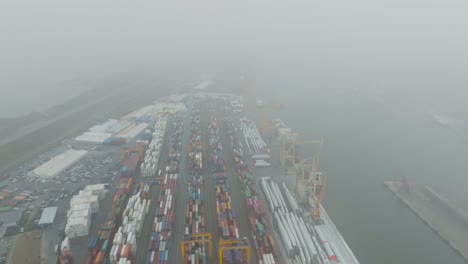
(436, 212)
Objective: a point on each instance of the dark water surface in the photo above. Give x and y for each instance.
(367, 143)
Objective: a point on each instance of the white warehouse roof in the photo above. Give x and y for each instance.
(59, 163)
(143, 111)
(48, 216)
(104, 126)
(203, 85)
(136, 130)
(139, 113)
(93, 137)
(116, 128)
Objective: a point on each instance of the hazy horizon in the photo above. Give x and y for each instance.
(417, 50)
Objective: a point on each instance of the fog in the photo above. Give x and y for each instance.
(416, 49)
(401, 59)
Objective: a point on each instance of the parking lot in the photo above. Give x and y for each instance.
(100, 165)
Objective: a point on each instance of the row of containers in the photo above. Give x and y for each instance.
(195, 253)
(264, 245)
(158, 245)
(125, 242)
(195, 149)
(150, 164)
(303, 241)
(227, 222)
(100, 244)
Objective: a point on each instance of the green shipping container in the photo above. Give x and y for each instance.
(5, 209)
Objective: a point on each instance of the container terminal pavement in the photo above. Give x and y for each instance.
(187, 192)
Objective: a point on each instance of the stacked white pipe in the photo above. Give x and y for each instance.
(252, 136)
(150, 163)
(133, 219)
(267, 259)
(291, 201)
(297, 239)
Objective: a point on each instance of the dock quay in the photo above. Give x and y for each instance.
(435, 211)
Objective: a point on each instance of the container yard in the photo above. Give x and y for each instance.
(161, 229)
(227, 221)
(264, 244)
(186, 183)
(195, 252)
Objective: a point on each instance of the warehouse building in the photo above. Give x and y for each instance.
(47, 217)
(9, 220)
(93, 137)
(104, 126)
(116, 128)
(58, 164)
(135, 131)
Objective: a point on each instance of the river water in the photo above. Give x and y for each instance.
(366, 143)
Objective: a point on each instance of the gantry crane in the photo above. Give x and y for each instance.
(288, 148)
(234, 245)
(266, 123)
(310, 183)
(198, 238)
(318, 191)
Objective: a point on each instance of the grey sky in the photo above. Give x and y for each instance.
(414, 48)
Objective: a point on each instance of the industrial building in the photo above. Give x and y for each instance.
(135, 131)
(116, 128)
(93, 137)
(47, 216)
(9, 220)
(58, 164)
(104, 126)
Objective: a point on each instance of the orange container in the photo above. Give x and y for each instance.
(127, 250)
(97, 259)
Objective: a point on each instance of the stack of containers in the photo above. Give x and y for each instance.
(82, 206)
(195, 158)
(195, 221)
(97, 189)
(217, 157)
(195, 211)
(132, 157)
(158, 247)
(100, 245)
(256, 213)
(124, 244)
(227, 222)
(150, 164)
